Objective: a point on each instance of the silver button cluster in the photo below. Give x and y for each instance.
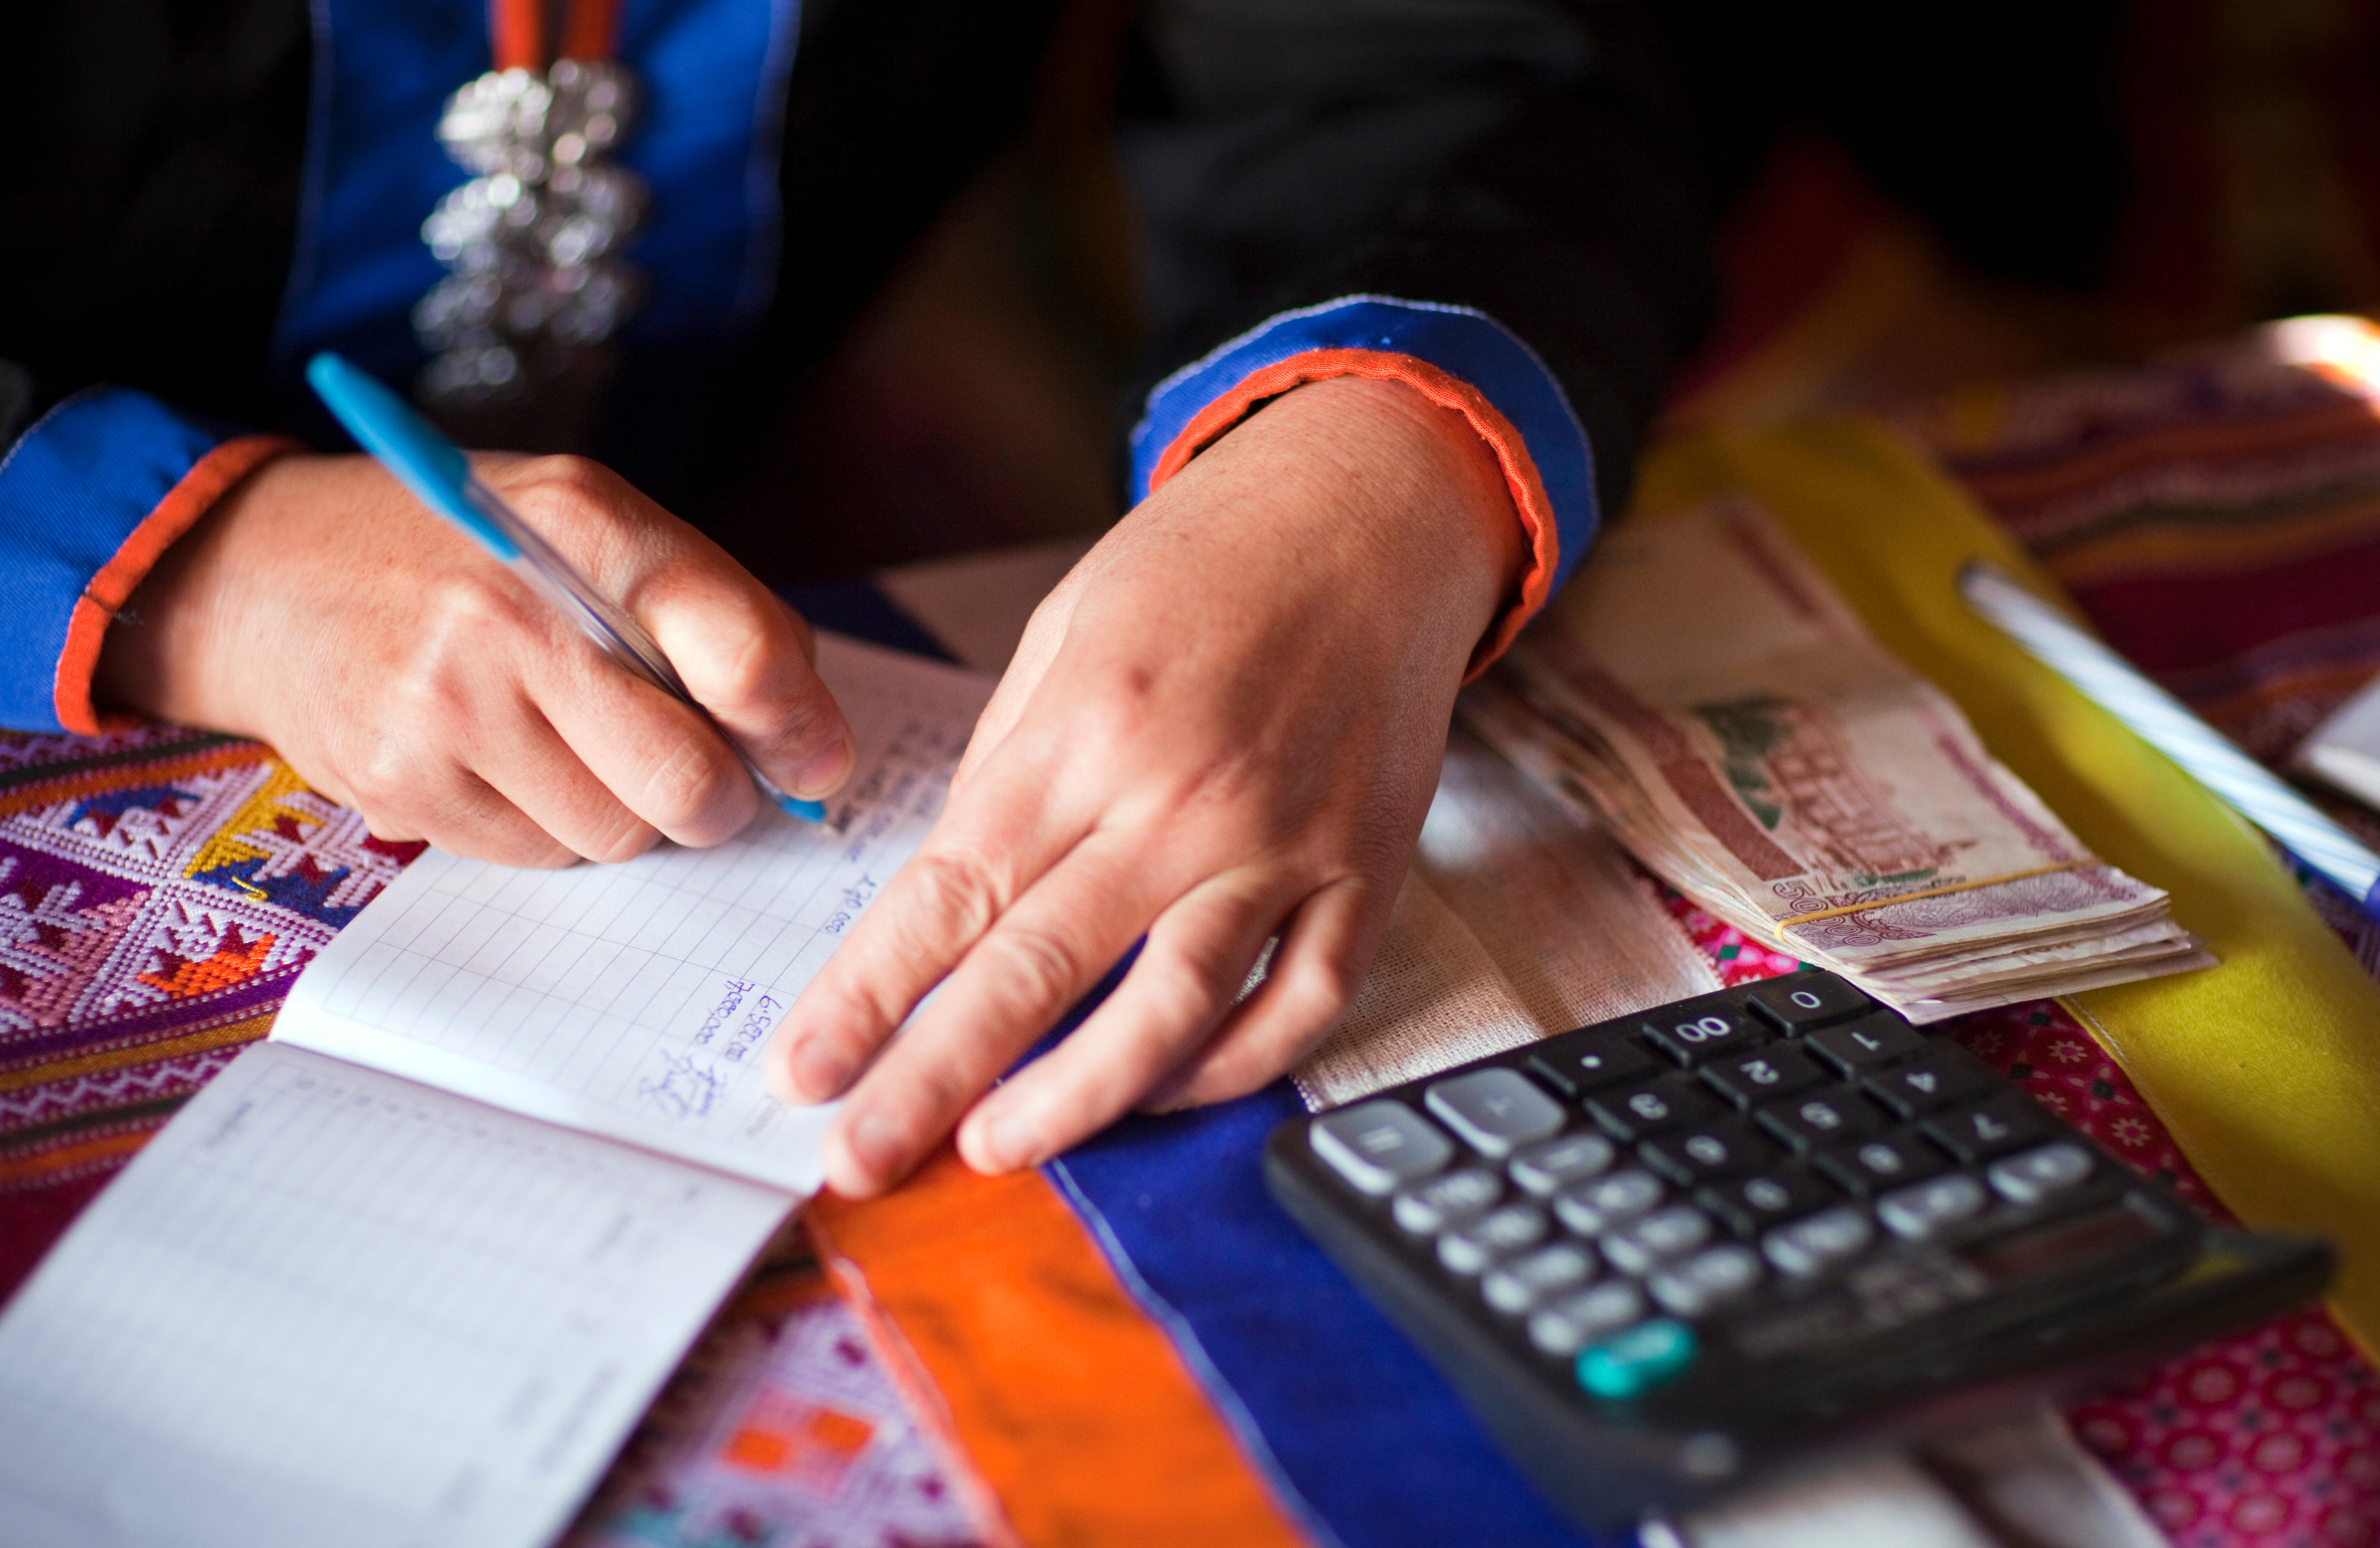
(534, 285)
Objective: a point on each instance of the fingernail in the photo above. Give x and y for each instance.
(823, 773)
(819, 1071)
(875, 1144)
(1011, 1142)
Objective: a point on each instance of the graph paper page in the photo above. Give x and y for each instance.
(328, 1306)
(632, 1000)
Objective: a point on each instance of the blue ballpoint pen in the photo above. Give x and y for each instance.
(436, 471)
(2163, 722)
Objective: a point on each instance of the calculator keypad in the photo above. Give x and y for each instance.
(1788, 1161)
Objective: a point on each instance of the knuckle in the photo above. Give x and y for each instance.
(570, 501)
(958, 894)
(746, 674)
(623, 838)
(565, 478)
(1190, 979)
(1032, 967)
(941, 1087)
(1122, 712)
(683, 786)
(383, 778)
(459, 604)
(1316, 992)
(1234, 1074)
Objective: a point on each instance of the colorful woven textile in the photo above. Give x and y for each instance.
(2216, 515)
(2219, 518)
(159, 890)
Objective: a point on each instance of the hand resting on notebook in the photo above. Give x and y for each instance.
(320, 608)
(1227, 722)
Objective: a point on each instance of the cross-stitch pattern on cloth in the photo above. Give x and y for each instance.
(780, 1430)
(159, 890)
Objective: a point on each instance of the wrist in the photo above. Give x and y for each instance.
(159, 655)
(1402, 500)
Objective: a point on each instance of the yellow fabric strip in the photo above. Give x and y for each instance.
(120, 1055)
(2266, 1070)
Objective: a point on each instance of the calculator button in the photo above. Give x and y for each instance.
(1564, 1328)
(1880, 1162)
(1753, 1079)
(1808, 1248)
(1518, 1284)
(1926, 1208)
(1747, 1206)
(1998, 1125)
(1638, 1360)
(1630, 1113)
(1495, 1109)
(1705, 1281)
(1896, 1288)
(1593, 1208)
(1429, 1207)
(2037, 1174)
(1664, 1234)
(1697, 1034)
(1802, 1000)
(1866, 1044)
(1939, 1079)
(1550, 1166)
(1712, 1150)
(1376, 1145)
(1574, 1063)
(1818, 1118)
(1498, 1234)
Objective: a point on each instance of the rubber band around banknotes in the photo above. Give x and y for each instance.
(1815, 914)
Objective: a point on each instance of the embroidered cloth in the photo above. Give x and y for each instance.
(2218, 518)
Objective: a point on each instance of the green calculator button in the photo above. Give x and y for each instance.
(1643, 1357)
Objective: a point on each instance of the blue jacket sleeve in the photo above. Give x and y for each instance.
(1502, 192)
(90, 494)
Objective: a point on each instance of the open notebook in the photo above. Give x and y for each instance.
(407, 1273)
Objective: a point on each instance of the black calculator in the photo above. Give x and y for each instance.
(1659, 1255)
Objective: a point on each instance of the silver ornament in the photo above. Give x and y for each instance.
(534, 288)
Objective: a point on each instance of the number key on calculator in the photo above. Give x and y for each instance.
(1677, 1249)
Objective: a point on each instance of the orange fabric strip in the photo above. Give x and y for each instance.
(209, 479)
(1521, 477)
(516, 34)
(1067, 1401)
(118, 1056)
(126, 776)
(590, 30)
(40, 1165)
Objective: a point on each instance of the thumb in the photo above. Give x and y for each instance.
(749, 660)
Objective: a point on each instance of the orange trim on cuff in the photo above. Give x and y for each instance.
(209, 479)
(1071, 1405)
(1521, 477)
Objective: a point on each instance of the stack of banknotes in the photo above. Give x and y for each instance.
(1701, 692)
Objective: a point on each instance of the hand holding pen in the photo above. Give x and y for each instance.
(318, 606)
(436, 471)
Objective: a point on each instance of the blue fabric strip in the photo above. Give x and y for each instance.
(712, 73)
(860, 608)
(1362, 1439)
(1467, 344)
(72, 490)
